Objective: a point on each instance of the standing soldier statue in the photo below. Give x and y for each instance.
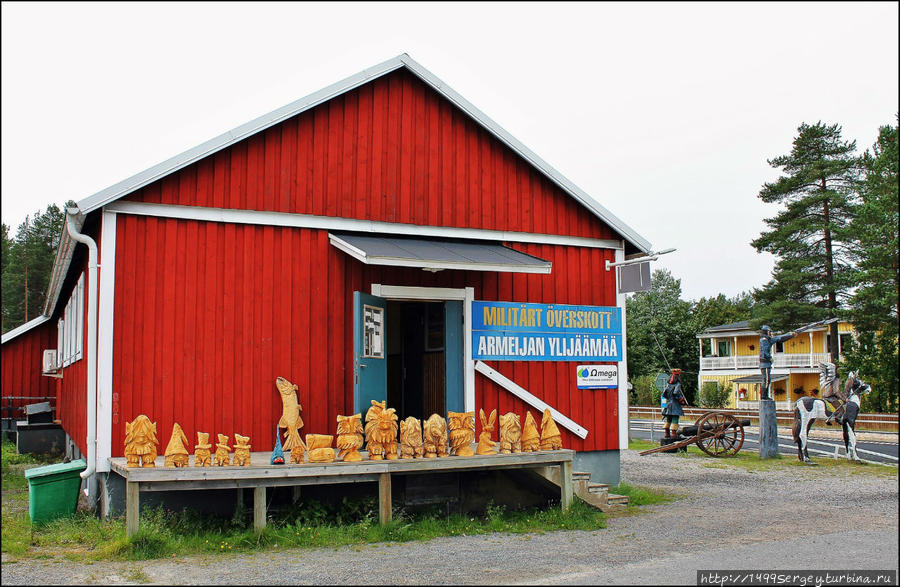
(766, 341)
(768, 425)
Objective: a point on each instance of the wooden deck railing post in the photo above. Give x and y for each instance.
(566, 488)
(384, 498)
(259, 508)
(132, 507)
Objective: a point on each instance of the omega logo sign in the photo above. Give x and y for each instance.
(597, 376)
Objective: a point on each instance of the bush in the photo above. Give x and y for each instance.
(644, 392)
(713, 396)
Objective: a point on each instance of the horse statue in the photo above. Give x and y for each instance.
(846, 403)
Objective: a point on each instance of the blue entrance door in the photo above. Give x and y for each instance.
(369, 351)
(453, 355)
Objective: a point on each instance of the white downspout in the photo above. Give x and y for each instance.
(92, 341)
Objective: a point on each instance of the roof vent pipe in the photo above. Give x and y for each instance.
(92, 341)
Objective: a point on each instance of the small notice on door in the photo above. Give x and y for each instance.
(597, 376)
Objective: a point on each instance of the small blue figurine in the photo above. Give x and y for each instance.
(277, 453)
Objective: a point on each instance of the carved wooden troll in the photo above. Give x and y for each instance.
(241, 450)
(202, 456)
(140, 442)
(531, 440)
(381, 432)
(550, 437)
(510, 433)
(176, 451)
(435, 437)
(411, 439)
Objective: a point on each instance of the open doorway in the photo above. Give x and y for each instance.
(416, 360)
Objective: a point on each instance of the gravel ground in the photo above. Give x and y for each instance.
(797, 518)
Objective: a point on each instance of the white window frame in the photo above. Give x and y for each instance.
(70, 335)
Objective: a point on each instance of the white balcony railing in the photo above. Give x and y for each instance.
(805, 360)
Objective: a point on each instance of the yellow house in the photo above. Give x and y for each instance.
(729, 355)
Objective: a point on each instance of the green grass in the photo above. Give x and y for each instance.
(750, 461)
(640, 495)
(309, 524)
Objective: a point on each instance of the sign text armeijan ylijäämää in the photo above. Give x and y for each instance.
(511, 331)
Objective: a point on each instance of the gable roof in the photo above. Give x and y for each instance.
(225, 140)
(244, 131)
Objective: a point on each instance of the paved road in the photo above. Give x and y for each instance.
(879, 452)
(729, 518)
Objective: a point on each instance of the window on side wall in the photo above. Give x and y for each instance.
(70, 335)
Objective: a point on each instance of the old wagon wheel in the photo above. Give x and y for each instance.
(720, 434)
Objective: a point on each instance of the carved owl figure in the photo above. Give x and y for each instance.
(411, 443)
(349, 437)
(510, 433)
(434, 436)
(462, 433)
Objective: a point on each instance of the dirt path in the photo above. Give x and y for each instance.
(732, 518)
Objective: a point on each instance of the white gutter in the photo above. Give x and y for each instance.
(92, 341)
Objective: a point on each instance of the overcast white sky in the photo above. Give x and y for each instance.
(665, 113)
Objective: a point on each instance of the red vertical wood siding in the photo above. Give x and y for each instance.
(21, 360)
(392, 150)
(202, 335)
(72, 408)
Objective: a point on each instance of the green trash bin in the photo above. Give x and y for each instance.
(53, 490)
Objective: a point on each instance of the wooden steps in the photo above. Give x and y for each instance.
(594, 494)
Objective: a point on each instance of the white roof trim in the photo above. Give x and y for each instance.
(23, 329)
(267, 218)
(227, 139)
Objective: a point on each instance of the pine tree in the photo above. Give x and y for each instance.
(26, 272)
(874, 306)
(810, 235)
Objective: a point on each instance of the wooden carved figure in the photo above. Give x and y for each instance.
(202, 456)
(510, 433)
(297, 454)
(349, 437)
(140, 442)
(277, 452)
(223, 452)
(411, 444)
(290, 418)
(550, 437)
(462, 433)
(319, 446)
(176, 451)
(381, 432)
(434, 434)
(486, 446)
(531, 440)
(241, 450)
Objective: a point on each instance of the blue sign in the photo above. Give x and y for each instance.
(510, 331)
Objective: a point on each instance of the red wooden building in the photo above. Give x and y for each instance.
(342, 242)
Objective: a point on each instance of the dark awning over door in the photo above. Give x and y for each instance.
(434, 255)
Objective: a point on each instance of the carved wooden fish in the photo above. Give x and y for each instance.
(290, 414)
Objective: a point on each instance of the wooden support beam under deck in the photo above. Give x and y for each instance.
(384, 498)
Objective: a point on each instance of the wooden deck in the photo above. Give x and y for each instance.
(260, 474)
